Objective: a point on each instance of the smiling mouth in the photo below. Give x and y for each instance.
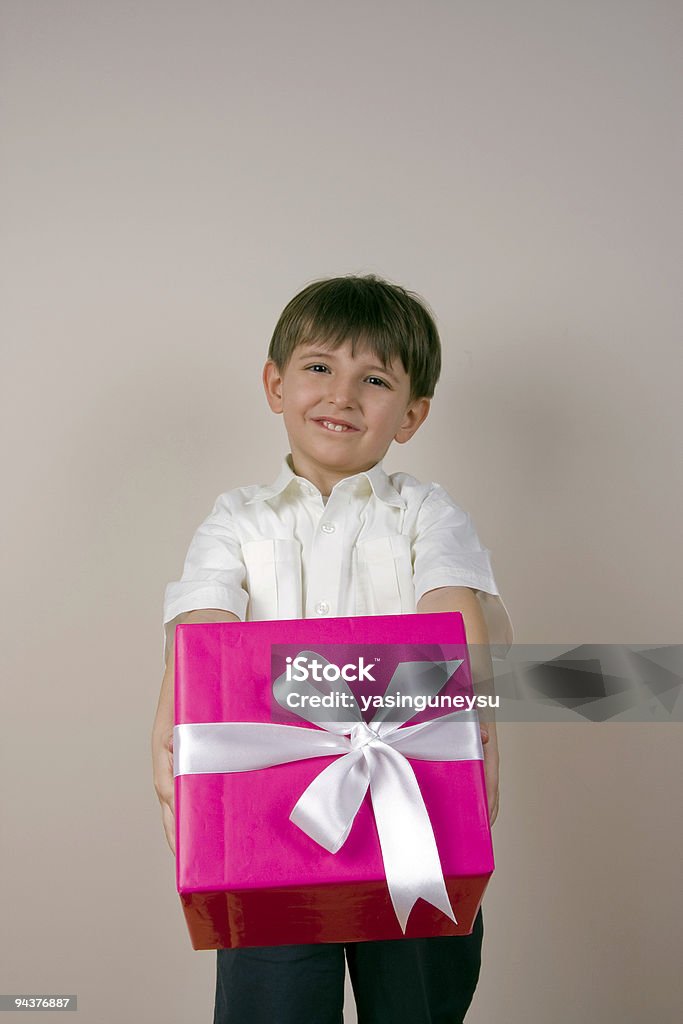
(335, 428)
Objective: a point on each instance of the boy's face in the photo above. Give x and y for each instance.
(320, 385)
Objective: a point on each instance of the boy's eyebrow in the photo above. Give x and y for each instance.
(326, 355)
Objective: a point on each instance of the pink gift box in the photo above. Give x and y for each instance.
(246, 874)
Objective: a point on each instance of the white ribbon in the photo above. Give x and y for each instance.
(375, 756)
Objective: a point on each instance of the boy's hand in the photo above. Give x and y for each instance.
(162, 731)
(490, 772)
(464, 600)
(162, 751)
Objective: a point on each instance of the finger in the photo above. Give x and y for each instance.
(164, 781)
(170, 799)
(168, 820)
(165, 792)
(484, 734)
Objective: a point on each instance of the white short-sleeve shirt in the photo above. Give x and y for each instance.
(373, 547)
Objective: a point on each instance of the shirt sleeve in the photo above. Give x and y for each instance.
(447, 552)
(214, 573)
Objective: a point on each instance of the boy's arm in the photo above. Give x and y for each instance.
(464, 600)
(162, 730)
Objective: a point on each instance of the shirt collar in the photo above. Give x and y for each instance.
(380, 483)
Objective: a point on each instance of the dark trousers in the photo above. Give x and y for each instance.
(402, 981)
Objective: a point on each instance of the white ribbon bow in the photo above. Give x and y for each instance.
(375, 756)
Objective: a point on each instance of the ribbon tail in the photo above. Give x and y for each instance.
(409, 850)
(327, 807)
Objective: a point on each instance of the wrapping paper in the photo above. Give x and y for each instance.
(246, 874)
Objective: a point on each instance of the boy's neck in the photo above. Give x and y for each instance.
(325, 478)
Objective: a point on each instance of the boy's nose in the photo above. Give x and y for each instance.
(343, 393)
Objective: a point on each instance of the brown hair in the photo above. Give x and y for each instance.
(367, 311)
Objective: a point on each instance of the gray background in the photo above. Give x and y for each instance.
(172, 174)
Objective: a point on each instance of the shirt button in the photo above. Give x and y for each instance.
(322, 608)
(328, 527)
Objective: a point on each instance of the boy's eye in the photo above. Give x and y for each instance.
(321, 366)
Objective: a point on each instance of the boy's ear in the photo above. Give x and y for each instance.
(272, 384)
(413, 418)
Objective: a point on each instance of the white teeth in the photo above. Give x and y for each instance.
(333, 426)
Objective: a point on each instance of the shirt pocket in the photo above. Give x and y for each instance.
(273, 578)
(384, 578)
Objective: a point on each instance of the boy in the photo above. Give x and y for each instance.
(352, 365)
